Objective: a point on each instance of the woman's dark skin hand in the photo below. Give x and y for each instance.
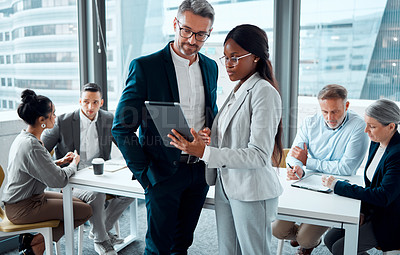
(205, 134)
(195, 148)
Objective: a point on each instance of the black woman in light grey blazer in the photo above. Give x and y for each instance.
(245, 146)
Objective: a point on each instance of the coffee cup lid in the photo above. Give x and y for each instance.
(97, 161)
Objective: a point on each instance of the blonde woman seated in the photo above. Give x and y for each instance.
(31, 170)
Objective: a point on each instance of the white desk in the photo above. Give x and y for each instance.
(318, 208)
(312, 207)
(116, 183)
(295, 204)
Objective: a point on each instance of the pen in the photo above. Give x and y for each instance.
(294, 171)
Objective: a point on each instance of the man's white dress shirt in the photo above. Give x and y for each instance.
(191, 90)
(89, 139)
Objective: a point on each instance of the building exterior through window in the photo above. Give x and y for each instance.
(354, 43)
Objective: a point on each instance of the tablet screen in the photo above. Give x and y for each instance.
(167, 116)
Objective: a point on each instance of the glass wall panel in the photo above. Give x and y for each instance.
(39, 53)
(353, 43)
(136, 28)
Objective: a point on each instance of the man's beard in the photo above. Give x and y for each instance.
(193, 49)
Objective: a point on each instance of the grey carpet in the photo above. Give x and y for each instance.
(205, 240)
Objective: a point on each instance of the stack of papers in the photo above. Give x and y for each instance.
(112, 166)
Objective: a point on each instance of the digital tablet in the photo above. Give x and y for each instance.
(167, 116)
(313, 182)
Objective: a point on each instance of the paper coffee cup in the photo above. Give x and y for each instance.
(98, 166)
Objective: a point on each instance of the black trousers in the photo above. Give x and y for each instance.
(334, 239)
(173, 210)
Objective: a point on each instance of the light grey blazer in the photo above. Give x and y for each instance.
(244, 155)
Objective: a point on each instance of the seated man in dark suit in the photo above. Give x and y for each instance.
(82, 130)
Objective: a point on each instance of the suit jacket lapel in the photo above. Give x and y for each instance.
(99, 134)
(76, 131)
(372, 151)
(170, 72)
(236, 105)
(233, 110)
(206, 81)
(208, 85)
(380, 166)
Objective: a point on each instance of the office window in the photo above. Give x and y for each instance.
(1, 60)
(18, 6)
(51, 29)
(32, 4)
(6, 12)
(47, 61)
(52, 3)
(109, 24)
(3, 82)
(61, 85)
(352, 43)
(46, 57)
(16, 33)
(111, 85)
(110, 55)
(147, 26)
(1, 37)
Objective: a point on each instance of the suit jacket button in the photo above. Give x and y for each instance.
(175, 163)
(223, 166)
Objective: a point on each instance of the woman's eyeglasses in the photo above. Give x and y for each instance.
(234, 61)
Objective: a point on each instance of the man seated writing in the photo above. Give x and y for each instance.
(331, 142)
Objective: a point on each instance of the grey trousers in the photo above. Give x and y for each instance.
(334, 239)
(103, 218)
(244, 228)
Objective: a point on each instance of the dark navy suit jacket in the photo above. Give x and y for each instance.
(153, 78)
(381, 196)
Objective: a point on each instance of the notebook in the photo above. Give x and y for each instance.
(313, 182)
(113, 166)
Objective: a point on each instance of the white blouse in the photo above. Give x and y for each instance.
(374, 163)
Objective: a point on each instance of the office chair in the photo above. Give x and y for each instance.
(394, 252)
(282, 165)
(7, 228)
(283, 162)
(391, 252)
